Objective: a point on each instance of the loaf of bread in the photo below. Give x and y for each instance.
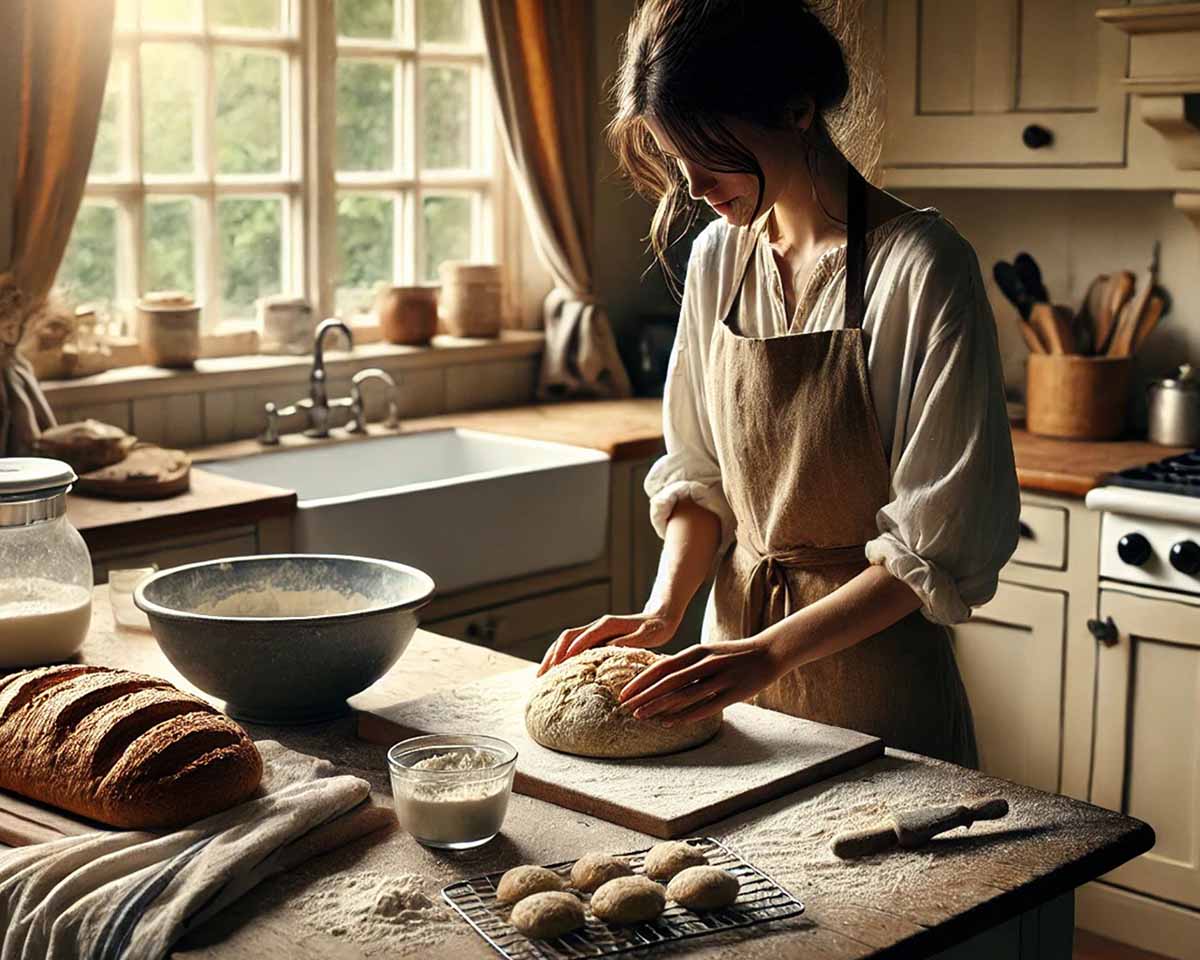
(122, 748)
(573, 708)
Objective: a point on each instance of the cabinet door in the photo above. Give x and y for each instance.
(1010, 654)
(1147, 750)
(964, 79)
(525, 628)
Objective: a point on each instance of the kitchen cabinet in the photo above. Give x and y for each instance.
(993, 83)
(1010, 655)
(1147, 747)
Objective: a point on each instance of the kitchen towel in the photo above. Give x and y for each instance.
(129, 895)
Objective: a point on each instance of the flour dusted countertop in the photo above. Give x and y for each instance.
(379, 896)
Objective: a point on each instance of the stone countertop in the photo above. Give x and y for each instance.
(902, 904)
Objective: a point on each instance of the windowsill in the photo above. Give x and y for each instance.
(219, 373)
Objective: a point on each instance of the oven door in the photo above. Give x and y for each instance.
(1146, 759)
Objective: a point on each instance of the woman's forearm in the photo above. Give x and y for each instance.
(862, 607)
(692, 537)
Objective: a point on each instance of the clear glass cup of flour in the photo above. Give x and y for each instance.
(451, 791)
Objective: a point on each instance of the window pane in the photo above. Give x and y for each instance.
(249, 111)
(446, 97)
(169, 97)
(365, 18)
(174, 12)
(364, 239)
(365, 124)
(443, 21)
(89, 269)
(108, 154)
(446, 221)
(170, 241)
(126, 14)
(251, 234)
(252, 14)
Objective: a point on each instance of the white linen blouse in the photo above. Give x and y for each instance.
(934, 366)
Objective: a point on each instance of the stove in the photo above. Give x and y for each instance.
(1178, 474)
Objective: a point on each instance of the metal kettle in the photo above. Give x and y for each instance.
(1174, 409)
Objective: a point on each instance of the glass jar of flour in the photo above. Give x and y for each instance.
(45, 567)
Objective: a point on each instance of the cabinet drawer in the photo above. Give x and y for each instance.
(524, 628)
(175, 554)
(1043, 540)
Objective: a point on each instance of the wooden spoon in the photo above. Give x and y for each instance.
(1053, 326)
(1119, 290)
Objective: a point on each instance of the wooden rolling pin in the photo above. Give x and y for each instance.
(914, 828)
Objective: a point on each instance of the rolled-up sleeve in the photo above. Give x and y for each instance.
(689, 469)
(953, 518)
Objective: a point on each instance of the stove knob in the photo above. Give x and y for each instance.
(1185, 557)
(1134, 549)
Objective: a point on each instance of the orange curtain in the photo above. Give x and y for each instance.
(540, 55)
(54, 58)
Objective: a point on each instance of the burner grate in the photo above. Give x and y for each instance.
(1179, 474)
(760, 900)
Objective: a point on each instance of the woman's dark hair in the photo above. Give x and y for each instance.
(687, 64)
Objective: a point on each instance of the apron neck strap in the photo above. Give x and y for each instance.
(856, 254)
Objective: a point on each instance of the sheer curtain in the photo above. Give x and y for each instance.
(540, 54)
(53, 67)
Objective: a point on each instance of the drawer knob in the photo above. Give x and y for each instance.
(1025, 530)
(1134, 549)
(1104, 630)
(1035, 136)
(1185, 557)
(484, 633)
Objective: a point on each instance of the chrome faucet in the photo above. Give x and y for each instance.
(317, 404)
(358, 409)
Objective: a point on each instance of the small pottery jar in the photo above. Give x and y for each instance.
(407, 315)
(285, 324)
(470, 303)
(169, 328)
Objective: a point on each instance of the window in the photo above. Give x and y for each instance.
(198, 176)
(414, 143)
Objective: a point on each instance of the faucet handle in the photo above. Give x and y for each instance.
(270, 436)
(358, 419)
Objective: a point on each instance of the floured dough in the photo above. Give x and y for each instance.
(628, 900)
(544, 916)
(573, 709)
(666, 859)
(521, 882)
(592, 870)
(704, 888)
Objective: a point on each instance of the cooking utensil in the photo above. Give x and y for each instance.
(1031, 338)
(915, 828)
(1031, 277)
(1118, 290)
(1053, 326)
(283, 667)
(1130, 319)
(1155, 308)
(1009, 282)
(1174, 409)
(1089, 310)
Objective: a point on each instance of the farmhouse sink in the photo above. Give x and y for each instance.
(464, 506)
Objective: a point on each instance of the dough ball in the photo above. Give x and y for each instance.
(520, 882)
(666, 859)
(550, 914)
(627, 900)
(704, 888)
(592, 870)
(573, 709)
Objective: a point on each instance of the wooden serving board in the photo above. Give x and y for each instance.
(757, 756)
(23, 822)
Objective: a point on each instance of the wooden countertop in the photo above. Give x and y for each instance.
(1076, 466)
(902, 905)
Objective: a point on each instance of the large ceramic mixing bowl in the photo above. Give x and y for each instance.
(284, 638)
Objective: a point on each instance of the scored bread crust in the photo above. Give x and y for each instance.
(574, 709)
(122, 748)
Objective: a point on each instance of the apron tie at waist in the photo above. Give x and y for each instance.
(768, 598)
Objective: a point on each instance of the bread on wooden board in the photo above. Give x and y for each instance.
(122, 748)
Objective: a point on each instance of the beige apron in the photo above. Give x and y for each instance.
(804, 470)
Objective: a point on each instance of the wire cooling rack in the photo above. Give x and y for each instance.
(760, 900)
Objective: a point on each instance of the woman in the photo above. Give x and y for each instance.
(837, 440)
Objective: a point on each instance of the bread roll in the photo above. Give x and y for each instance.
(122, 748)
(574, 709)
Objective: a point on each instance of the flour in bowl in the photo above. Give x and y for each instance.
(271, 602)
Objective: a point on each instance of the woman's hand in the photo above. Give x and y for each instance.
(703, 680)
(634, 630)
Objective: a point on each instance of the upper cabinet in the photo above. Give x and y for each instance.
(992, 83)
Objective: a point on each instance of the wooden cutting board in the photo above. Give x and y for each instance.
(758, 755)
(23, 822)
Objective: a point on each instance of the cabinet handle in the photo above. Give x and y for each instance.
(484, 633)
(1025, 530)
(1104, 630)
(1035, 136)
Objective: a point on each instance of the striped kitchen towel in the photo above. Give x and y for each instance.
(129, 895)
